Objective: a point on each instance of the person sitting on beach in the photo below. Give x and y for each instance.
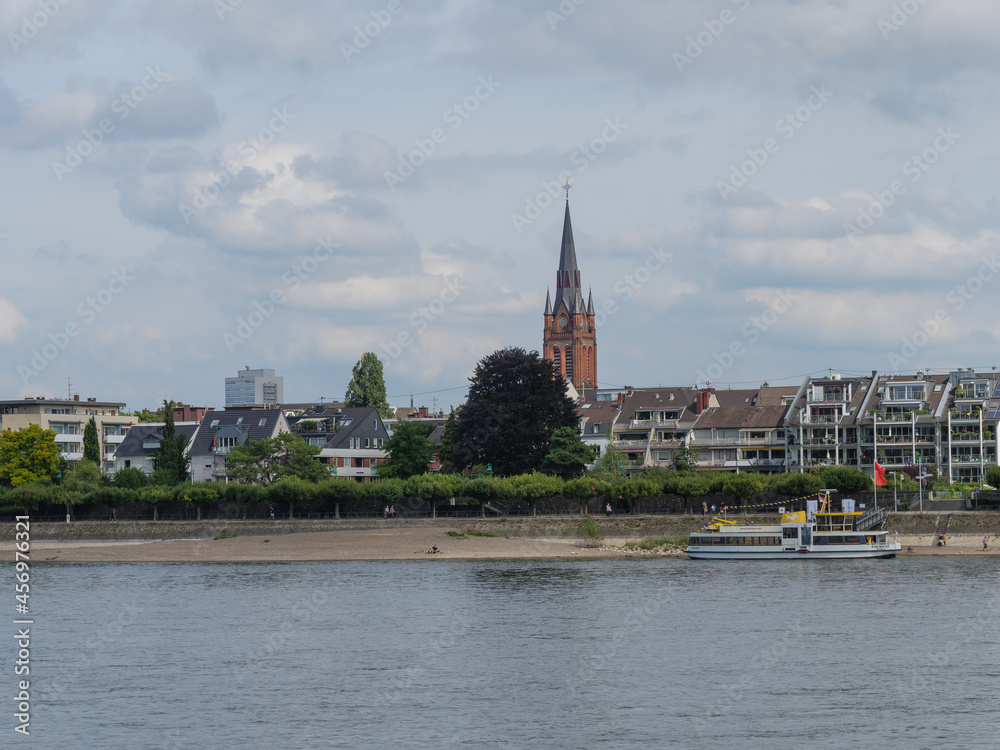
(433, 550)
(909, 549)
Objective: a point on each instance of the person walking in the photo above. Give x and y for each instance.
(385, 513)
(392, 512)
(985, 540)
(607, 510)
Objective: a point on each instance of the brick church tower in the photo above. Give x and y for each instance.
(569, 338)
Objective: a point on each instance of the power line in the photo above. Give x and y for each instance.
(425, 393)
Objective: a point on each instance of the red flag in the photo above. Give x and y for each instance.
(879, 475)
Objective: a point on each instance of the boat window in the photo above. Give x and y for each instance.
(790, 533)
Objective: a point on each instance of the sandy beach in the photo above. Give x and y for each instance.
(397, 544)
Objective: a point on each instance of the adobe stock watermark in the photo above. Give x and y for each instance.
(31, 25)
(581, 158)
(292, 279)
(248, 148)
(454, 117)
(901, 14)
(122, 106)
(563, 12)
(423, 316)
(956, 299)
(915, 168)
(626, 287)
(363, 35)
(714, 28)
(87, 312)
(789, 124)
(750, 333)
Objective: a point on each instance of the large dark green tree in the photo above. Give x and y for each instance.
(367, 386)
(515, 403)
(171, 459)
(409, 451)
(91, 442)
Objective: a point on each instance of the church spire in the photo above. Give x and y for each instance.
(568, 275)
(548, 303)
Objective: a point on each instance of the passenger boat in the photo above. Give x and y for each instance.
(799, 534)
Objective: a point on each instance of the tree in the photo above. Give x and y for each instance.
(201, 495)
(367, 386)
(156, 495)
(129, 478)
(534, 487)
(91, 443)
(171, 457)
(611, 460)
(447, 446)
(845, 479)
(80, 482)
(515, 403)
(268, 460)
(28, 455)
(568, 455)
(685, 459)
(992, 477)
(409, 451)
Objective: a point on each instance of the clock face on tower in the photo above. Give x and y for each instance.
(563, 321)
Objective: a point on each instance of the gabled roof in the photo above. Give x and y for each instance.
(357, 422)
(256, 424)
(743, 416)
(131, 446)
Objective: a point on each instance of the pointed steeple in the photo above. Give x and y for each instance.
(548, 303)
(590, 301)
(568, 275)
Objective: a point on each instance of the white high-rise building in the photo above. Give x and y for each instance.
(255, 388)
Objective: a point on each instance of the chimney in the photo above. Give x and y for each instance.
(621, 400)
(76, 396)
(423, 412)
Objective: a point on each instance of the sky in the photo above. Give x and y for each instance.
(761, 189)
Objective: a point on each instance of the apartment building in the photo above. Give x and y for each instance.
(68, 418)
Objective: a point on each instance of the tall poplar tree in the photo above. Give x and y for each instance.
(171, 457)
(367, 386)
(91, 443)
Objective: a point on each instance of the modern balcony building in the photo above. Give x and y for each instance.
(68, 418)
(260, 388)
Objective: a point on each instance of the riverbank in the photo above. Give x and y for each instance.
(527, 538)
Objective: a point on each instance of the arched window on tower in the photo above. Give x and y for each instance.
(569, 362)
(557, 360)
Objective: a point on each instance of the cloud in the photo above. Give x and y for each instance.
(12, 321)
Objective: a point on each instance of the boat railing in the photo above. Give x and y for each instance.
(870, 520)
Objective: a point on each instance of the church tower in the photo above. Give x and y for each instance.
(569, 338)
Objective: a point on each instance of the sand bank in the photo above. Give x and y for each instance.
(393, 544)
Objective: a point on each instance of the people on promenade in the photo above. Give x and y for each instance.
(985, 540)
(607, 510)
(392, 512)
(704, 508)
(385, 513)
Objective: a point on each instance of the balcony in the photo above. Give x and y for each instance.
(65, 437)
(821, 420)
(828, 398)
(636, 423)
(114, 439)
(631, 445)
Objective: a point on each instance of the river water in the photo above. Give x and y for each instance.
(583, 654)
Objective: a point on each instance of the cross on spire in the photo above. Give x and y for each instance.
(566, 187)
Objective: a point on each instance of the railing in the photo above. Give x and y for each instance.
(654, 423)
(872, 519)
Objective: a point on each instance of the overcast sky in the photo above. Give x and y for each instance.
(761, 189)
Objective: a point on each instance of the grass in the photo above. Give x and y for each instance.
(223, 535)
(456, 534)
(477, 532)
(591, 528)
(659, 543)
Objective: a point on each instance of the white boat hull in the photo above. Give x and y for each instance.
(800, 554)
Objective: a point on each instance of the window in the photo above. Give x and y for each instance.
(262, 422)
(368, 443)
(239, 420)
(215, 423)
